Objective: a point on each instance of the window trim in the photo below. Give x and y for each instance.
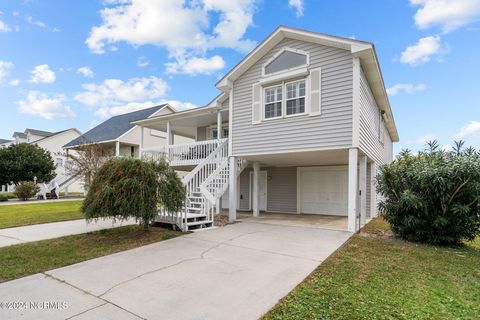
(275, 56)
(212, 127)
(283, 85)
(305, 97)
(264, 101)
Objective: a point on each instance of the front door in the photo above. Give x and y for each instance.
(262, 190)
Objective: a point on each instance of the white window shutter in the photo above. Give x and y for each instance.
(315, 85)
(256, 103)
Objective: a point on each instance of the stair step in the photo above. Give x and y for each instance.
(196, 223)
(194, 208)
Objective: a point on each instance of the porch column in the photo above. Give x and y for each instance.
(363, 189)
(352, 189)
(232, 190)
(219, 125)
(373, 190)
(256, 169)
(142, 138)
(117, 148)
(169, 133)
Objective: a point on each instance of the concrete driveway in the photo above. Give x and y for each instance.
(236, 272)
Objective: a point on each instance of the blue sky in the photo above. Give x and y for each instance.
(75, 63)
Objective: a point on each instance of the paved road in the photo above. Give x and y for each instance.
(45, 231)
(236, 272)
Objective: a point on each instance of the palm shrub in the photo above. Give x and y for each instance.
(433, 196)
(126, 188)
(25, 190)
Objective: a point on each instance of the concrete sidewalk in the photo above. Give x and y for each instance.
(16, 201)
(45, 231)
(236, 272)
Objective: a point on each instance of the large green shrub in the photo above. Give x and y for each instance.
(433, 196)
(131, 188)
(25, 190)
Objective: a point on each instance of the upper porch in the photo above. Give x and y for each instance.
(202, 131)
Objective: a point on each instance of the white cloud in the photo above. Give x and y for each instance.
(5, 67)
(86, 72)
(185, 29)
(195, 65)
(422, 51)
(40, 24)
(405, 87)
(47, 107)
(426, 138)
(297, 5)
(447, 14)
(42, 74)
(114, 91)
(4, 27)
(470, 130)
(107, 112)
(142, 61)
(14, 82)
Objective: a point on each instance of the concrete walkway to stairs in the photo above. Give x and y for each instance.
(238, 271)
(43, 231)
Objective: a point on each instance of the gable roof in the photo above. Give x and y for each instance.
(54, 134)
(39, 132)
(114, 127)
(363, 50)
(20, 135)
(2, 141)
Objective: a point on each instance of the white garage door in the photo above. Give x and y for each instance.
(323, 190)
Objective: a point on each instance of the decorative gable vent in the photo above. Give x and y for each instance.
(287, 59)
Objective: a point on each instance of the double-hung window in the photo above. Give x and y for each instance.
(273, 102)
(285, 100)
(295, 99)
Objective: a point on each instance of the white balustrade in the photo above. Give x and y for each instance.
(183, 154)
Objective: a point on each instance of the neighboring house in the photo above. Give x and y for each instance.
(122, 138)
(53, 142)
(301, 126)
(5, 143)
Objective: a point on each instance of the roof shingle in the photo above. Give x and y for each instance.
(113, 127)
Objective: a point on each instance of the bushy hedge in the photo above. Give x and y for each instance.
(131, 188)
(433, 196)
(25, 190)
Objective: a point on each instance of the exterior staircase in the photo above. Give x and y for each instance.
(55, 186)
(204, 185)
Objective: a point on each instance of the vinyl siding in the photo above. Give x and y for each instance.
(281, 189)
(201, 133)
(369, 134)
(331, 129)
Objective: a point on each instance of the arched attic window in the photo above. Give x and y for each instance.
(287, 59)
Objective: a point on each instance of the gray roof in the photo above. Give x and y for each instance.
(113, 127)
(2, 141)
(20, 134)
(39, 132)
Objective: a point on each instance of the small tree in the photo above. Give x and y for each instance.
(86, 160)
(24, 162)
(25, 190)
(126, 187)
(433, 196)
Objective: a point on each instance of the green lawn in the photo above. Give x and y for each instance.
(33, 213)
(33, 257)
(376, 276)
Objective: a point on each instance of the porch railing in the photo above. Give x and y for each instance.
(183, 154)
